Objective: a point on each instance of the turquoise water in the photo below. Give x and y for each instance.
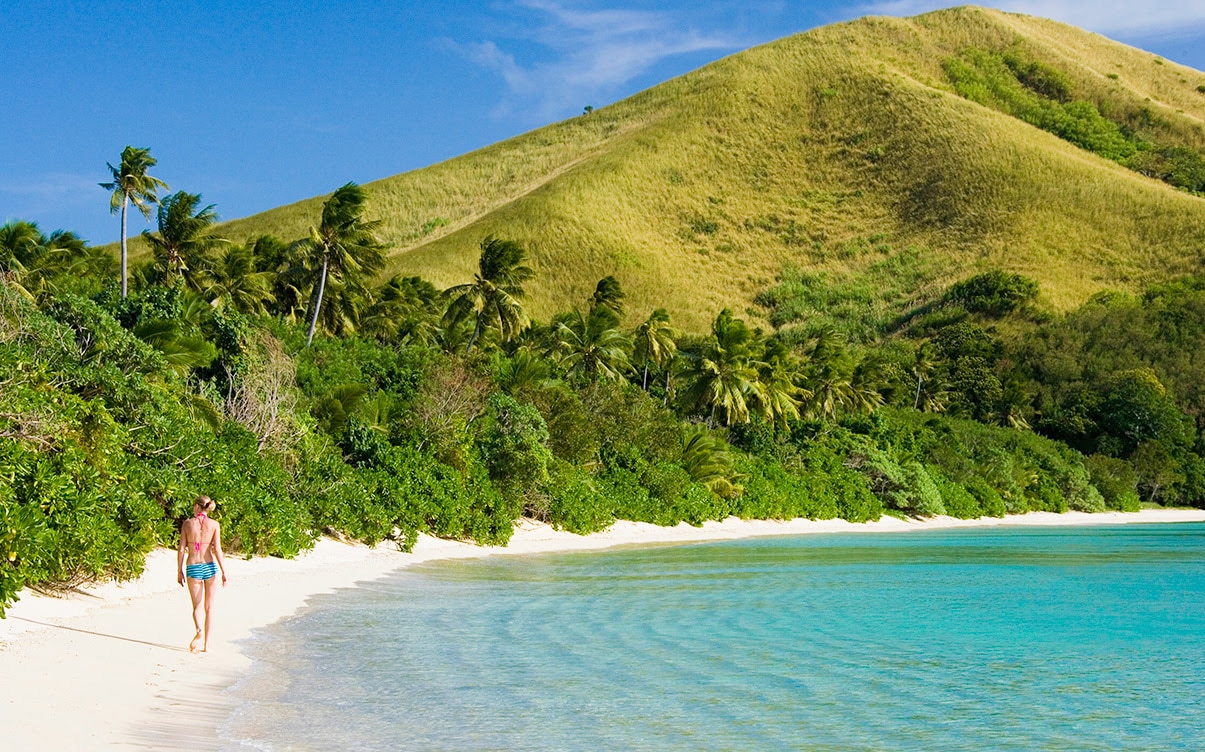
(974, 639)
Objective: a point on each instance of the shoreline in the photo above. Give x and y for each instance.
(109, 665)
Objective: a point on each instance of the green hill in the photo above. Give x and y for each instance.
(845, 151)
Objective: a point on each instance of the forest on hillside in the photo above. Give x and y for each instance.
(281, 378)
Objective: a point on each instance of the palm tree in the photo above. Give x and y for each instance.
(777, 400)
(344, 246)
(707, 459)
(345, 304)
(33, 262)
(592, 346)
(131, 184)
(608, 293)
(929, 397)
(723, 378)
(235, 282)
(866, 384)
(522, 372)
(492, 298)
(404, 307)
(653, 344)
(829, 377)
(182, 244)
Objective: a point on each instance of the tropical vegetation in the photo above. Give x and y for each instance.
(773, 321)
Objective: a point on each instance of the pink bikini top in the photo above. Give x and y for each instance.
(200, 527)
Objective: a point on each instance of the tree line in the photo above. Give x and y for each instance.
(280, 378)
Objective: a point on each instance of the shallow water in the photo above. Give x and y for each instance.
(1062, 638)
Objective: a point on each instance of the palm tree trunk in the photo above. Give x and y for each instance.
(472, 339)
(125, 205)
(317, 303)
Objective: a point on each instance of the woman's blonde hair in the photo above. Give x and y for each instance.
(205, 503)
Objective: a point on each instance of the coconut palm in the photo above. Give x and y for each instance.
(522, 372)
(235, 282)
(344, 247)
(929, 396)
(653, 344)
(707, 459)
(592, 346)
(405, 307)
(131, 184)
(182, 244)
(777, 400)
(609, 294)
(492, 299)
(33, 262)
(829, 377)
(722, 378)
(866, 385)
(346, 302)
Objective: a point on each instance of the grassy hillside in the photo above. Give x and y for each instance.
(845, 151)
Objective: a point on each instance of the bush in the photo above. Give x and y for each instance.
(1116, 480)
(957, 500)
(513, 443)
(995, 293)
(575, 502)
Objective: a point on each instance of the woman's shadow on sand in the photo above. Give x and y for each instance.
(99, 634)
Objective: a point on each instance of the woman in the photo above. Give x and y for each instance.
(198, 560)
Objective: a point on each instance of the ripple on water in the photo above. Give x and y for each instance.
(989, 638)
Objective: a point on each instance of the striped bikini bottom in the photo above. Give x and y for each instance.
(203, 571)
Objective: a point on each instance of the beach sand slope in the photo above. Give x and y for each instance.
(109, 667)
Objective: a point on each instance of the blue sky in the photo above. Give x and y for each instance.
(258, 104)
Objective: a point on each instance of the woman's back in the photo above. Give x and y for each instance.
(199, 534)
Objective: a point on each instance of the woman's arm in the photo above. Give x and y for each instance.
(181, 554)
(217, 552)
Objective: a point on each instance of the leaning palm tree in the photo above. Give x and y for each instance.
(492, 298)
(653, 344)
(344, 246)
(182, 244)
(35, 263)
(522, 372)
(404, 307)
(131, 184)
(829, 377)
(608, 293)
(707, 459)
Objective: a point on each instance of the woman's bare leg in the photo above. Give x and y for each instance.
(196, 590)
(211, 589)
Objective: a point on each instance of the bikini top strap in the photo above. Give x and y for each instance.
(201, 517)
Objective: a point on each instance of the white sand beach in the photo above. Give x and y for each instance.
(109, 667)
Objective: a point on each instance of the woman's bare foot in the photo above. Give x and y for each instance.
(192, 646)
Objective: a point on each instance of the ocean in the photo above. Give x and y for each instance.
(994, 638)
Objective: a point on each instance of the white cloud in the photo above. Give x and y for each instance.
(592, 53)
(1109, 17)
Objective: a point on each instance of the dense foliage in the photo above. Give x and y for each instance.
(451, 413)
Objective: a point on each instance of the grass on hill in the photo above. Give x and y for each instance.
(826, 153)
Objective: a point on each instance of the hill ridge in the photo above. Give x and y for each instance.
(832, 151)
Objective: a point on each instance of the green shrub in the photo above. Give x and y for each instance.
(1116, 480)
(995, 293)
(513, 440)
(630, 498)
(986, 497)
(958, 501)
(576, 503)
